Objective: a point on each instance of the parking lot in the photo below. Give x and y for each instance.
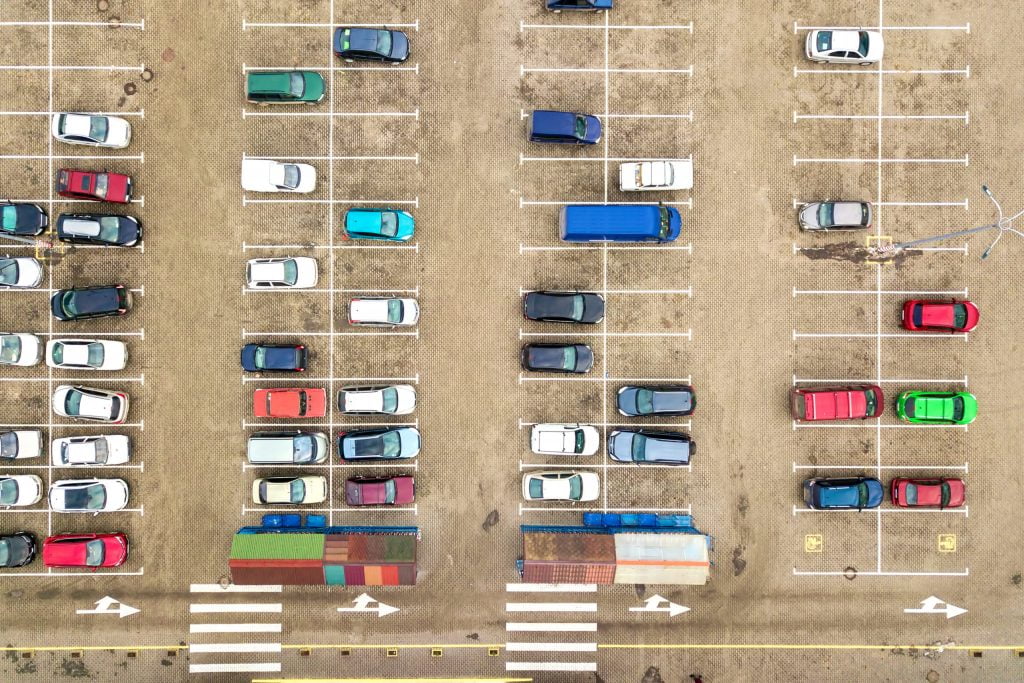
(743, 306)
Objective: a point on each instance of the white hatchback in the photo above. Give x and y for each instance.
(267, 175)
(564, 439)
(88, 495)
(86, 354)
(19, 349)
(666, 174)
(89, 403)
(91, 129)
(564, 485)
(22, 272)
(383, 312)
(292, 272)
(19, 444)
(844, 47)
(102, 449)
(19, 490)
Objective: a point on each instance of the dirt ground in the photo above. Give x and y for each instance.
(744, 305)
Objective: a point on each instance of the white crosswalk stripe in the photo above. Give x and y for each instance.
(219, 600)
(550, 656)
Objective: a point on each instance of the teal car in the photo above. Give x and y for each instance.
(379, 224)
(284, 87)
(937, 407)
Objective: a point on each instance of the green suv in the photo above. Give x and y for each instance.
(284, 87)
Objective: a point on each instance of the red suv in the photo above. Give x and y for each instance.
(94, 185)
(837, 403)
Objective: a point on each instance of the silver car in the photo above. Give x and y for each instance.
(829, 215)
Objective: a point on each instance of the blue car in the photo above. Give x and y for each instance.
(854, 493)
(274, 358)
(379, 224)
(564, 128)
(578, 5)
(383, 443)
(371, 44)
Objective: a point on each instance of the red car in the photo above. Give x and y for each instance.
(380, 490)
(94, 185)
(85, 550)
(927, 493)
(289, 403)
(837, 403)
(923, 315)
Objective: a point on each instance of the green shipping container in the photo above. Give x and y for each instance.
(335, 574)
(277, 546)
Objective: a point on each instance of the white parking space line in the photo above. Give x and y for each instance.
(76, 425)
(525, 378)
(81, 378)
(197, 648)
(534, 202)
(413, 509)
(551, 666)
(883, 28)
(880, 335)
(965, 203)
(551, 587)
(959, 468)
(894, 510)
(885, 292)
(77, 575)
(246, 379)
(141, 201)
(574, 508)
(963, 249)
(235, 667)
(688, 291)
(679, 425)
(965, 117)
(415, 26)
(858, 160)
(402, 247)
(234, 628)
(56, 67)
(335, 114)
(611, 27)
(334, 465)
(965, 72)
(604, 465)
(869, 425)
(688, 71)
(247, 68)
(112, 23)
(336, 290)
(333, 157)
(688, 335)
(141, 158)
(141, 113)
(549, 626)
(859, 573)
(959, 380)
(523, 248)
(331, 202)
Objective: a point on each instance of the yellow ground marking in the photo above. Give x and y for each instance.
(392, 680)
(879, 240)
(947, 543)
(813, 543)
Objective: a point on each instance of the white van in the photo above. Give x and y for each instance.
(287, 448)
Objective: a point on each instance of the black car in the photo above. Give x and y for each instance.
(564, 307)
(635, 401)
(576, 358)
(371, 44)
(22, 219)
(652, 446)
(17, 549)
(100, 229)
(90, 302)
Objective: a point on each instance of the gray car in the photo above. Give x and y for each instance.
(387, 443)
(835, 216)
(650, 446)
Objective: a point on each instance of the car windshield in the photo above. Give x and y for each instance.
(391, 445)
(581, 127)
(390, 492)
(291, 176)
(384, 42)
(100, 451)
(870, 402)
(394, 311)
(569, 358)
(577, 307)
(862, 494)
(73, 402)
(296, 84)
(297, 491)
(303, 449)
(98, 128)
(911, 494)
(88, 498)
(389, 400)
(575, 487)
(95, 358)
(102, 182)
(389, 223)
(536, 488)
(9, 216)
(666, 222)
(639, 447)
(291, 271)
(824, 41)
(94, 551)
(8, 492)
(10, 349)
(110, 228)
(8, 445)
(645, 401)
(8, 272)
(5, 552)
(67, 302)
(580, 438)
(959, 315)
(863, 47)
(826, 214)
(958, 408)
(261, 357)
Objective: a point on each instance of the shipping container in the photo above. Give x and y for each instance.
(287, 576)
(582, 548)
(274, 563)
(552, 572)
(277, 546)
(662, 558)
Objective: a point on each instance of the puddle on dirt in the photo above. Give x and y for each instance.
(855, 252)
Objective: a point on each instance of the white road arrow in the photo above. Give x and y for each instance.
(364, 603)
(653, 604)
(105, 605)
(930, 605)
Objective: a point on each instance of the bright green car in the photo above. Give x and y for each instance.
(284, 87)
(937, 407)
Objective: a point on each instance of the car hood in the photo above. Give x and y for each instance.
(119, 131)
(399, 45)
(30, 272)
(809, 215)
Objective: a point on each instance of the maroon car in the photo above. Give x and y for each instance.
(101, 186)
(380, 490)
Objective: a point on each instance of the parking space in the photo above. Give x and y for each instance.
(362, 142)
(892, 134)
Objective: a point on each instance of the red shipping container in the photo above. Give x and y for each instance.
(354, 576)
(389, 575)
(287, 576)
(406, 575)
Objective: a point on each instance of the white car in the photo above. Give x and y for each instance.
(90, 129)
(396, 399)
(567, 485)
(102, 449)
(564, 439)
(383, 312)
(19, 444)
(22, 272)
(19, 490)
(845, 47)
(86, 354)
(88, 495)
(668, 174)
(89, 403)
(19, 349)
(290, 490)
(267, 175)
(292, 272)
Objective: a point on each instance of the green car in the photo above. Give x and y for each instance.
(937, 407)
(284, 87)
